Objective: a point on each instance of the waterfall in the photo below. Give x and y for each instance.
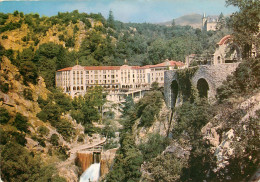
(91, 174)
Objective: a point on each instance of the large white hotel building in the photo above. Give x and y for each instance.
(117, 81)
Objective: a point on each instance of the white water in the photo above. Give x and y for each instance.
(91, 174)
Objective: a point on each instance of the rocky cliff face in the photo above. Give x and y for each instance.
(161, 126)
(107, 159)
(224, 142)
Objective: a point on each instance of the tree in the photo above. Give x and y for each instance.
(127, 106)
(4, 116)
(221, 22)
(245, 24)
(173, 23)
(21, 123)
(111, 20)
(29, 72)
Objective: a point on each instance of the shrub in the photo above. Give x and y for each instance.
(29, 72)
(4, 116)
(54, 140)
(153, 147)
(43, 130)
(4, 37)
(21, 123)
(149, 107)
(7, 137)
(65, 128)
(4, 87)
(244, 80)
(81, 138)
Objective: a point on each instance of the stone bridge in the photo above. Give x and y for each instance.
(206, 79)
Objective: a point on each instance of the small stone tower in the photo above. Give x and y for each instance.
(204, 21)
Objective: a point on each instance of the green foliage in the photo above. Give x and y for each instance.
(127, 163)
(149, 107)
(21, 123)
(111, 20)
(89, 107)
(81, 138)
(110, 144)
(51, 112)
(201, 163)
(11, 136)
(42, 102)
(49, 58)
(65, 128)
(17, 164)
(54, 140)
(244, 81)
(185, 88)
(4, 115)
(165, 168)
(127, 106)
(191, 117)
(153, 147)
(27, 93)
(4, 87)
(11, 26)
(245, 24)
(62, 100)
(109, 129)
(29, 72)
(4, 37)
(43, 130)
(245, 159)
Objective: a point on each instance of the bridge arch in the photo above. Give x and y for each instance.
(174, 93)
(203, 88)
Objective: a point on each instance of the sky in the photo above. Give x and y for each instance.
(137, 11)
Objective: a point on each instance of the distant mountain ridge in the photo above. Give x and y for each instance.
(194, 20)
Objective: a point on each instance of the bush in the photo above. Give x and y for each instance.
(153, 147)
(29, 71)
(21, 123)
(4, 87)
(4, 116)
(4, 37)
(54, 140)
(81, 138)
(148, 107)
(43, 130)
(65, 128)
(7, 137)
(51, 112)
(244, 80)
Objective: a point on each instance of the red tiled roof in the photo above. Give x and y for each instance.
(65, 69)
(102, 67)
(167, 63)
(224, 39)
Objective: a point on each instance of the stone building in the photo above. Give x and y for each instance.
(209, 22)
(227, 51)
(117, 81)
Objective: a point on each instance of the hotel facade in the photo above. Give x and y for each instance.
(117, 81)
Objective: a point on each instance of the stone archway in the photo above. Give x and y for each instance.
(203, 88)
(174, 93)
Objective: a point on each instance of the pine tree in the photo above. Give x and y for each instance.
(111, 20)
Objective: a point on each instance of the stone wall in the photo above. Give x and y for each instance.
(213, 74)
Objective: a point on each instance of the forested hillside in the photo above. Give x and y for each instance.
(52, 43)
